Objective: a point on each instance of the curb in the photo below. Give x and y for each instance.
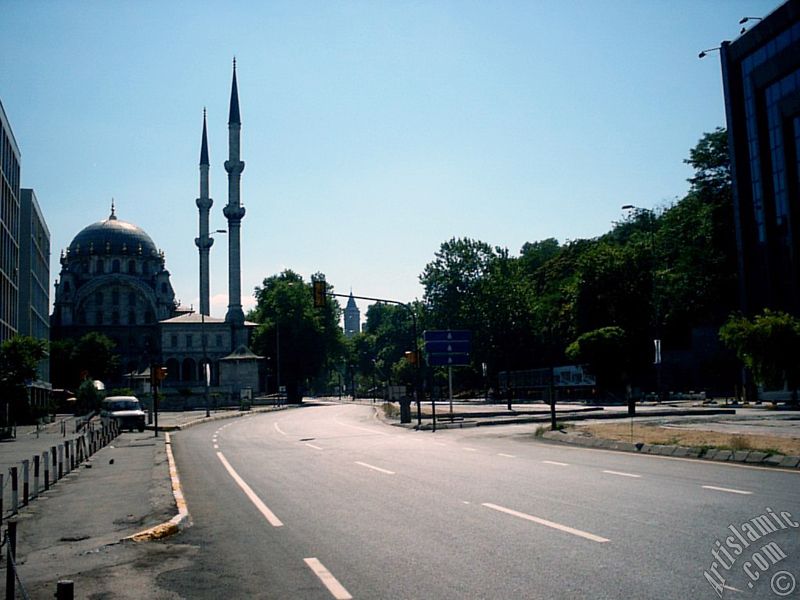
(750, 457)
(180, 520)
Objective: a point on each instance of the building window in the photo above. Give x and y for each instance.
(98, 298)
(132, 299)
(173, 341)
(131, 318)
(115, 266)
(188, 340)
(131, 266)
(99, 317)
(115, 318)
(100, 267)
(115, 297)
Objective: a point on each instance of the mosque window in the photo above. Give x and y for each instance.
(131, 318)
(99, 317)
(115, 297)
(115, 318)
(131, 266)
(98, 298)
(81, 317)
(115, 266)
(132, 298)
(99, 267)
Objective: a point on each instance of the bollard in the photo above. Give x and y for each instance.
(25, 481)
(14, 491)
(45, 456)
(60, 461)
(65, 590)
(68, 456)
(11, 556)
(54, 463)
(1, 500)
(36, 460)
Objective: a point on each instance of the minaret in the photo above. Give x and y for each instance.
(234, 212)
(204, 241)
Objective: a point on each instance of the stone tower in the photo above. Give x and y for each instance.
(204, 241)
(352, 318)
(234, 212)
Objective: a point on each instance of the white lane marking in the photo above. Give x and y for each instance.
(216, 446)
(440, 443)
(369, 466)
(554, 462)
(278, 429)
(327, 579)
(546, 523)
(465, 501)
(268, 514)
(470, 449)
(375, 431)
(621, 474)
(313, 446)
(506, 455)
(722, 489)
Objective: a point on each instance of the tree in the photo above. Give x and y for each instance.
(291, 331)
(768, 345)
(605, 351)
(19, 362)
(96, 354)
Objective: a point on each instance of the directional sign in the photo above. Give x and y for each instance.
(452, 360)
(460, 346)
(443, 335)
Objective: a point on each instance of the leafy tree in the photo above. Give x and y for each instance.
(88, 398)
(63, 371)
(19, 360)
(308, 339)
(768, 345)
(605, 352)
(95, 354)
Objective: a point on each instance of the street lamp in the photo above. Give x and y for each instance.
(206, 366)
(656, 326)
(703, 54)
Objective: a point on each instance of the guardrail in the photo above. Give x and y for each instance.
(49, 466)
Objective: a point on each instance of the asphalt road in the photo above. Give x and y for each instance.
(327, 502)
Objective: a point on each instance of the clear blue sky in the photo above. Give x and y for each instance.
(372, 131)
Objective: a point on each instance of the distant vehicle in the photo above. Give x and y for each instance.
(125, 410)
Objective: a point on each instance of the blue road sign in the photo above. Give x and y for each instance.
(450, 347)
(443, 335)
(452, 360)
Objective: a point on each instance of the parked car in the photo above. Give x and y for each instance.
(125, 410)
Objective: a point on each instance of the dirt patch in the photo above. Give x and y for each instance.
(655, 434)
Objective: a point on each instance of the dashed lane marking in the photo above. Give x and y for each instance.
(555, 462)
(730, 490)
(373, 467)
(621, 474)
(313, 446)
(336, 589)
(251, 495)
(546, 523)
(506, 455)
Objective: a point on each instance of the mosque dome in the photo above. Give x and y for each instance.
(113, 236)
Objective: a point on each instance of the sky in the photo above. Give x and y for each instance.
(372, 131)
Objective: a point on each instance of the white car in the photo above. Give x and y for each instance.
(125, 410)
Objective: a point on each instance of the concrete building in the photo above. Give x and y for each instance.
(34, 283)
(9, 229)
(761, 76)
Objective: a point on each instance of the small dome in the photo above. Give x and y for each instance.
(113, 236)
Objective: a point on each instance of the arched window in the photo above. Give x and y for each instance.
(99, 267)
(131, 317)
(98, 298)
(131, 299)
(99, 317)
(115, 266)
(131, 266)
(115, 318)
(81, 317)
(173, 370)
(115, 297)
(188, 371)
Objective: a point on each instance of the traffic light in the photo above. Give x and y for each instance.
(320, 294)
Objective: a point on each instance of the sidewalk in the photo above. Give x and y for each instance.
(123, 489)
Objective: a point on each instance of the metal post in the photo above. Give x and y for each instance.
(46, 470)
(25, 482)
(14, 491)
(54, 463)
(65, 590)
(60, 461)
(36, 472)
(450, 387)
(68, 455)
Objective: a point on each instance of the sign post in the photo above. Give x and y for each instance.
(451, 348)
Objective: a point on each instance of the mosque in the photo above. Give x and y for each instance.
(114, 280)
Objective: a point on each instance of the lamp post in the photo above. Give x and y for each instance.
(206, 366)
(656, 313)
